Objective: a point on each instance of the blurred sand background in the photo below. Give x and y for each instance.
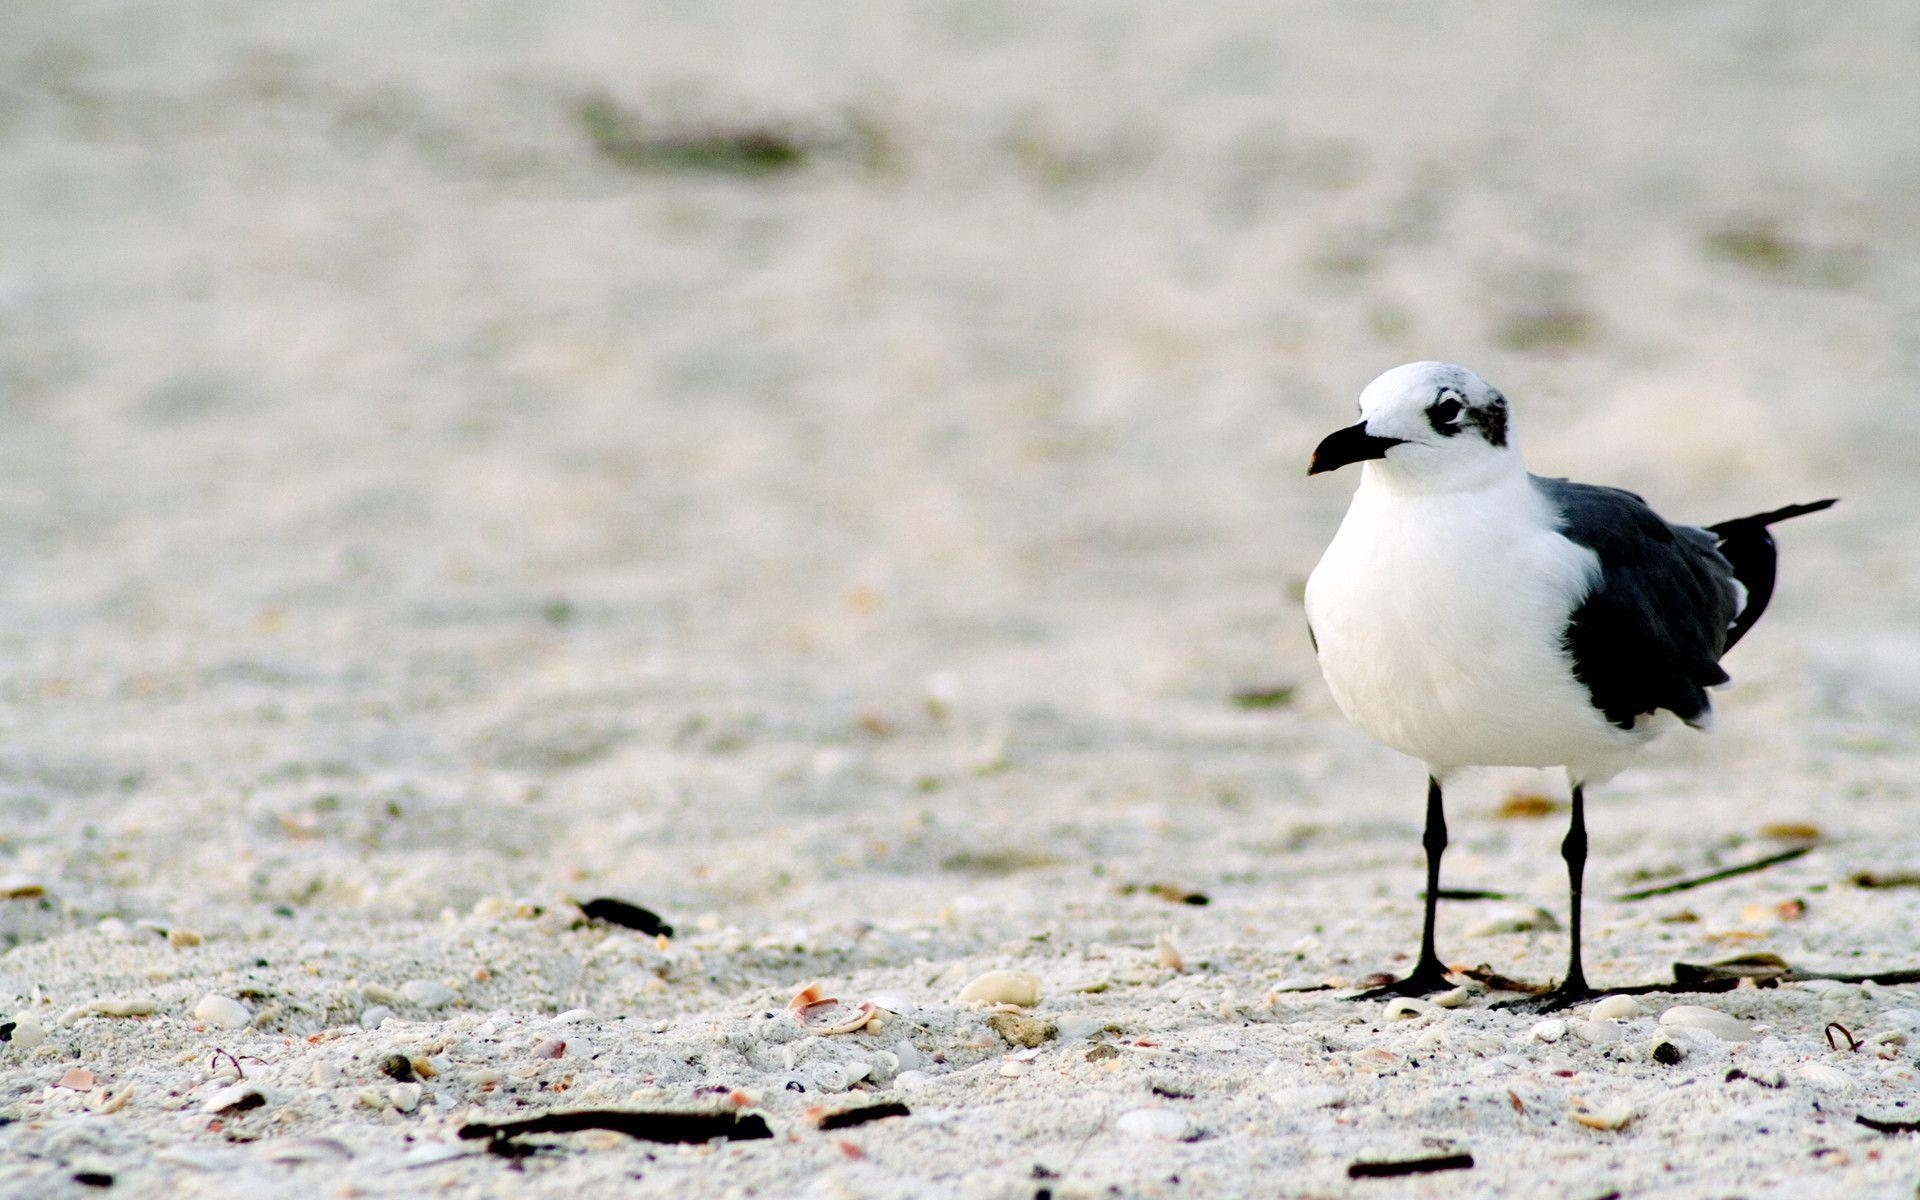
(825, 472)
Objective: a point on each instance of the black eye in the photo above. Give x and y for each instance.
(1444, 416)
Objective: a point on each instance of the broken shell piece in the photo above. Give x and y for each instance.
(1454, 997)
(1406, 1008)
(1613, 1116)
(1615, 1008)
(809, 995)
(1003, 987)
(1708, 1020)
(238, 1098)
(839, 1019)
(1550, 1030)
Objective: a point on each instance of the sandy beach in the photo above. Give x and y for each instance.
(834, 476)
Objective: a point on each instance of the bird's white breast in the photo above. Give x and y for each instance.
(1440, 619)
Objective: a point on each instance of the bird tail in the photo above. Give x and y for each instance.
(1747, 546)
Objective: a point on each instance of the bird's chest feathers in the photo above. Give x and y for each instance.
(1436, 613)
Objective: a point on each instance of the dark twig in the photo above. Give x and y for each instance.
(847, 1118)
(1761, 864)
(1468, 894)
(1501, 983)
(1889, 1126)
(631, 916)
(646, 1126)
(1410, 1166)
(1853, 1043)
(219, 1054)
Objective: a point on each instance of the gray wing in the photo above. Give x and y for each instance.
(1651, 633)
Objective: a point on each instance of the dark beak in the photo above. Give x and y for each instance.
(1350, 445)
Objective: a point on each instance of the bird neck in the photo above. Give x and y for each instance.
(1479, 473)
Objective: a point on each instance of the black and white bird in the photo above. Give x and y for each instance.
(1469, 614)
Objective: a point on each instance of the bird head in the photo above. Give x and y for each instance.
(1428, 423)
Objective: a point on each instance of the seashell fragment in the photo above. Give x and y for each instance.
(1708, 1020)
(1612, 1116)
(235, 1098)
(1003, 987)
(1406, 1008)
(1550, 1030)
(1615, 1008)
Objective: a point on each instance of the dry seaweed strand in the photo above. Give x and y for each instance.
(642, 1125)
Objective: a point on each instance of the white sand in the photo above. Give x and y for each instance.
(413, 520)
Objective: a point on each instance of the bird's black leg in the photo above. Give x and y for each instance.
(1573, 989)
(1429, 974)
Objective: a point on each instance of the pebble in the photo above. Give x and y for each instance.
(1021, 1030)
(1550, 1030)
(1708, 1020)
(1018, 988)
(1598, 1033)
(222, 1011)
(238, 1097)
(427, 993)
(1075, 1026)
(1615, 1008)
(1163, 1123)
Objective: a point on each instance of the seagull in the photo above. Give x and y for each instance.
(1469, 614)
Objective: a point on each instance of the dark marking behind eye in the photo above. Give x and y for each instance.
(1491, 419)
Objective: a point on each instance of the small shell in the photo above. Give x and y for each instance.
(1014, 1069)
(1162, 1123)
(1376, 1059)
(103, 1101)
(1615, 1008)
(1613, 1116)
(224, 1012)
(1167, 954)
(1708, 1020)
(1827, 1079)
(405, 1096)
(1454, 998)
(1003, 987)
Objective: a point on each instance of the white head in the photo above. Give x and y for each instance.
(1430, 426)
